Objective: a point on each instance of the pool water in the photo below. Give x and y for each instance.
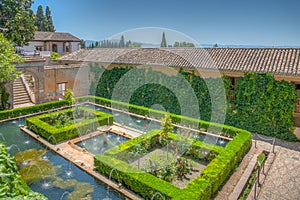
(97, 145)
(18, 141)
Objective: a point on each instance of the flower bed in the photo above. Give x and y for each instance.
(54, 128)
(222, 162)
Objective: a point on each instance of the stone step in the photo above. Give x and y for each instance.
(21, 97)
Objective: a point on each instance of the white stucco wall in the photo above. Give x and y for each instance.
(75, 46)
(31, 46)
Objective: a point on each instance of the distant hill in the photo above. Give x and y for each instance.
(152, 45)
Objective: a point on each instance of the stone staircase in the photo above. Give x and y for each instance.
(21, 97)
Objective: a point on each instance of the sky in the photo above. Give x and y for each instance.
(230, 22)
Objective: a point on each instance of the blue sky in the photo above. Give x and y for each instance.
(246, 22)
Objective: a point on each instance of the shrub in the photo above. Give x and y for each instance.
(40, 125)
(17, 112)
(54, 56)
(12, 185)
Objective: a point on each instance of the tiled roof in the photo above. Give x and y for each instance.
(54, 36)
(283, 61)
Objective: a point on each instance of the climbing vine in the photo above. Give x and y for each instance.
(257, 102)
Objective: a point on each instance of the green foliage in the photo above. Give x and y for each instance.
(264, 105)
(59, 132)
(202, 187)
(6, 114)
(163, 41)
(44, 22)
(69, 96)
(18, 19)
(7, 60)
(257, 103)
(40, 19)
(183, 44)
(12, 185)
(49, 21)
(54, 56)
(3, 97)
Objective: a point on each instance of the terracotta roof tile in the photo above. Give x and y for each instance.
(284, 61)
(54, 36)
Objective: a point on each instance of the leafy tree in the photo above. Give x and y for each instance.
(215, 45)
(176, 44)
(7, 68)
(166, 123)
(7, 58)
(96, 44)
(17, 20)
(69, 96)
(122, 42)
(49, 21)
(163, 41)
(41, 22)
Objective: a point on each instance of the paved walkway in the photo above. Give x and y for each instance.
(283, 179)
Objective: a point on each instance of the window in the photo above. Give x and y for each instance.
(297, 86)
(39, 48)
(67, 49)
(62, 88)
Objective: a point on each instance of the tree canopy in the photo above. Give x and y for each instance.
(44, 22)
(7, 60)
(17, 21)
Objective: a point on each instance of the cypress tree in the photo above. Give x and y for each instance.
(122, 42)
(49, 21)
(163, 41)
(40, 19)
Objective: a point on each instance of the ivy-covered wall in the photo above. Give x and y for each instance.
(257, 102)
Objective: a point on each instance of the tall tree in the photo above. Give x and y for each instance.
(41, 22)
(17, 21)
(122, 42)
(7, 68)
(163, 41)
(49, 21)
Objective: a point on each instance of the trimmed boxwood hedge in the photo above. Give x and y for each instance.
(226, 130)
(203, 187)
(17, 112)
(55, 135)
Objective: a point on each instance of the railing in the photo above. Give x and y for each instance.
(29, 92)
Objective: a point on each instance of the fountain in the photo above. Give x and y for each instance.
(13, 145)
(119, 184)
(69, 172)
(51, 136)
(65, 193)
(3, 138)
(159, 194)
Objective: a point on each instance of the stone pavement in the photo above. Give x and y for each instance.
(283, 179)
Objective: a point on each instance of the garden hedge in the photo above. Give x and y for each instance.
(203, 187)
(55, 135)
(17, 112)
(223, 130)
